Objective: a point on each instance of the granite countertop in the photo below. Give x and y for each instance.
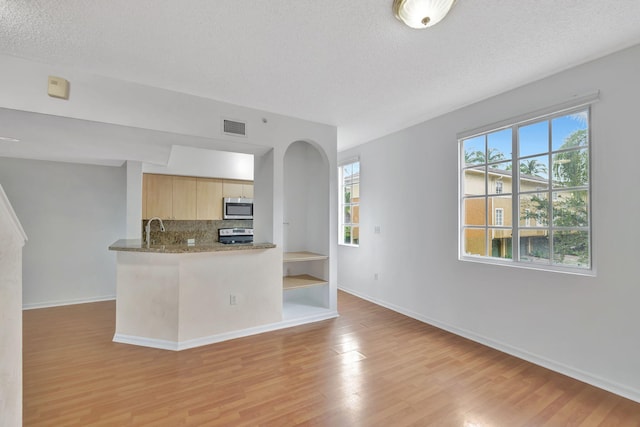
(136, 245)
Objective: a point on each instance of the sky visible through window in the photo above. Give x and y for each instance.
(534, 139)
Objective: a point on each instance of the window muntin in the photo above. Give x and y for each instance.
(549, 160)
(349, 176)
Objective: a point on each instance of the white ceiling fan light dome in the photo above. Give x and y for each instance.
(421, 14)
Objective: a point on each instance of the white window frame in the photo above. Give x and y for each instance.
(341, 204)
(578, 104)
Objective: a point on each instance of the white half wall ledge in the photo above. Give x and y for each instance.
(561, 368)
(213, 339)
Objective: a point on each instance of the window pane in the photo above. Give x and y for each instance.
(534, 210)
(347, 215)
(571, 168)
(474, 181)
(346, 195)
(534, 139)
(571, 248)
(474, 150)
(534, 172)
(499, 145)
(500, 243)
(347, 171)
(570, 209)
(499, 178)
(349, 203)
(475, 242)
(355, 193)
(475, 211)
(569, 131)
(355, 235)
(347, 234)
(502, 203)
(534, 246)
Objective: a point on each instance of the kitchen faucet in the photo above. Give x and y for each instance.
(147, 228)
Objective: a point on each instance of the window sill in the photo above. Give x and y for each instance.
(526, 266)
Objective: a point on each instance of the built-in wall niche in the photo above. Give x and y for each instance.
(305, 230)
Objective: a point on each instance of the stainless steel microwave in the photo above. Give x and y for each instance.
(237, 208)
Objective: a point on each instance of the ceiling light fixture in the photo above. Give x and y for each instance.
(421, 13)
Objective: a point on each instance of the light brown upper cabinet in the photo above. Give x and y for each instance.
(187, 197)
(184, 197)
(209, 198)
(237, 188)
(168, 197)
(158, 193)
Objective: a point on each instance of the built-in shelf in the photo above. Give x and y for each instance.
(301, 281)
(302, 256)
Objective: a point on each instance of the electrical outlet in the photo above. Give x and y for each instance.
(376, 229)
(233, 300)
(375, 276)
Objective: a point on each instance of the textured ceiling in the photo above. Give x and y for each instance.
(345, 63)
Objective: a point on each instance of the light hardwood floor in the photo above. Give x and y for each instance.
(369, 367)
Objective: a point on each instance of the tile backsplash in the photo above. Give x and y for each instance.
(203, 231)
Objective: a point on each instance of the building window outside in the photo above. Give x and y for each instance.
(542, 205)
(349, 176)
(499, 216)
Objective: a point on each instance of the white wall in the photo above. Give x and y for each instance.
(194, 121)
(12, 238)
(71, 213)
(586, 327)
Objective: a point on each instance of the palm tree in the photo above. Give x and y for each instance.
(532, 167)
(474, 157)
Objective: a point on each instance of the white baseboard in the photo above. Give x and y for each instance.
(212, 339)
(48, 304)
(145, 342)
(577, 374)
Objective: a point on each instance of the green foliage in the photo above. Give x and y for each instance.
(571, 168)
(570, 209)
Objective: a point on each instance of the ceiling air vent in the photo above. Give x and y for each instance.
(232, 127)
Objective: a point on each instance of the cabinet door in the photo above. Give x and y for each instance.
(209, 198)
(247, 190)
(232, 188)
(184, 197)
(159, 196)
(237, 188)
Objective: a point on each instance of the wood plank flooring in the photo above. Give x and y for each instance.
(369, 367)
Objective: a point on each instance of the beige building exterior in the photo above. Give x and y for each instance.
(499, 218)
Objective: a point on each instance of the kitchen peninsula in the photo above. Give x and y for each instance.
(182, 296)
